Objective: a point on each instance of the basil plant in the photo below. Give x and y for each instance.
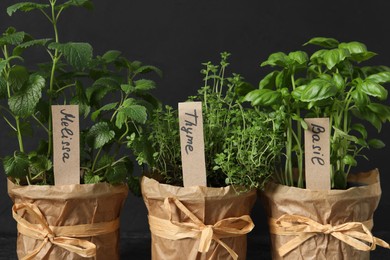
(330, 82)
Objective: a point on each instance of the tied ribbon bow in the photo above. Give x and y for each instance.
(355, 234)
(174, 230)
(62, 236)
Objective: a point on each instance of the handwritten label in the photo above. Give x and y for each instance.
(192, 144)
(66, 144)
(317, 154)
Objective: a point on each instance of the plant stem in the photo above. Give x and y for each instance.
(55, 59)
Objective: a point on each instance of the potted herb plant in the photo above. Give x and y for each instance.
(331, 83)
(240, 147)
(80, 220)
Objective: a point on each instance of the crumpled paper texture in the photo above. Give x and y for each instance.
(69, 205)
(209, 205)
(335, 207)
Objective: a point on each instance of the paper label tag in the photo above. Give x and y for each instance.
(192, 144)
(317, 154)
(66, 144)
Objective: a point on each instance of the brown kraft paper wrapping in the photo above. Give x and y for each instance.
(68, 221)
(308, 224)
(197, 222)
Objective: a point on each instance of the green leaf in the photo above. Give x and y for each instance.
(381, 77)
(111, 56)
(359, 57)
(18, 76)
(382, 111)
(82, 3)
(147, 69)
(298, 91)
(18, 50)
(100, 134)
(3, 64)
(81, 99)
(353, 47)
(77, 54)
(268, 81)
(144, 84)
(333, 57)
(23, 103)
(243, 88)
(361, 129)
(338, 81)
(277, 59)
(323, 42)
(341, 133)
(299, 57)
(349, 160)
(318, 89)
(376, 143)
(16, 166)
(117, 174)
(360, 98)
(26, 7)
(372, 88)
(90, 178)
(101, 88)
(318, 56)
(135, 113)
(263, 97)
(367, 114)
(106, 107)
(14, 38)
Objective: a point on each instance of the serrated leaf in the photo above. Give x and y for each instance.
(83, 3)
(23, 103)
(18, 76)
(81, 99)
(101, 88)
(3, 88)
(92, 179)
(77, 54)
(101, 134)
(318, 89)
(111, 56)
(117, 174)
(376, 143)
(147, 69)
(17, 165)
(372, 88)
(323, 42)
(12, 38)
(106, 107)
(144, 84)
(26, 7)
(18, 50)
(135, 113)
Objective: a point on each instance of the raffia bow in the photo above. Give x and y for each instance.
(174, 230)
(65, 237)
(355, 234)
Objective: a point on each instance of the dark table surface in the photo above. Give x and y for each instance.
(138, 247)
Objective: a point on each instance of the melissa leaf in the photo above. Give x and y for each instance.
(77, 54)
(23, 102)
(100, 134)
(25, 7)
(16, 166)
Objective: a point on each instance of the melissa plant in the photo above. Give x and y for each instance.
(241, 144)
(113, 98)
(331, 82)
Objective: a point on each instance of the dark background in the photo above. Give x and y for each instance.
(178, 35)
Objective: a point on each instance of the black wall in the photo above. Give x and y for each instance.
(178, 35)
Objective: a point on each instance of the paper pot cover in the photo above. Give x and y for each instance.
(68, 221)
(332, 224)
(197, 222)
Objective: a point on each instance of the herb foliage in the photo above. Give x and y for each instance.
(241, 143)
(331, 82)
(109, 89)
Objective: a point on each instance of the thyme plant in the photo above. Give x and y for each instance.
(331, 82)
(241, 144)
